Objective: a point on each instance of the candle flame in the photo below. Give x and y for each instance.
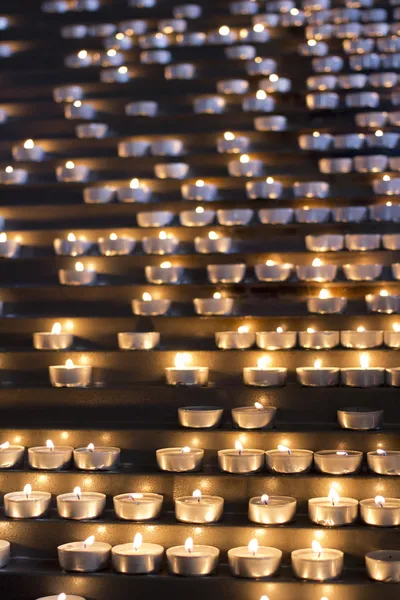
(224, 30)
(364, 361)
(89, 541)
(264, 598)
(136, 496)
(56, 328)
(384, 293)
(185, 450)
(3, 237)
(270, 263)
(199, 210)
(197, 494)
(90, 447)
(265, 498)
(199, 183)
(258, 405)
(253, 546)
(69, 364)
(147, 297)
(162, 235)
(263, 362)
(333, 496)
(182, 360)
(29, 144)
(79, 267)
(9, 169)
(381, 452)
(273, 77)
(70, 164)
(213, 235)
(82, 54)
(77, 103)
(189, 544)
(123, 69)
(244, 159)
(243, 329)
(342, 453)
(386, 178)
(62, 596)
(137, 541)
(389, 203)
(396, 327)
(310, 330)
(282, 448)
(361, 329)
(5, 446)
(261, 95)
(279, 330)
(270, 180)
(49, 445)
(317, 363)
(239, 446)
(324, 294)
(316, 547)
(229, 136)
(380, 501)
(217, 296)
(71, 237)
(317, 262)
(166, 265)
(113, 236)
(28, 490)
(78, 492)
(134, 184)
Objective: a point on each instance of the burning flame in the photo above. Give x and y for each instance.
(361, 329)
(185, 449)
(199, 183)
(284, 449)
(243, 329)
(258, 405)
(134, 184)
(62, 596)
(317, 262)
(224, 30)
(56, 328)
(316, 547)
(136, 496)
(9, 169)
(189, 544)
(333, 496)
(380, 501)
(90, 447)
(217, 296)
(197, 494)
(162, 235)
(261, 95)
(29, 144)
(82, 54)
(137, 541)
(79, 267)
(270, 180)
(270, 263)
(28, 490)
(279, 330)
(239, 446)
(317, 363)
(244, 159)
(396, 327)
(342, 453)
(229, 136)
(253, 546)
(381, 452)
(89, 541)
(213, 235)
(123, 69)
(113, 236)
(182, 360)
(78, 492)
(364, 361)
(3, 237)
(310, 330)
(324, 294)
(5, 446)
(69, 364)
(265, 498)
(147, 297)
(263, 362)
(384, 293)
(199, 210)
(71, 237)
(166, 265)
(70, 164)
(49, 445)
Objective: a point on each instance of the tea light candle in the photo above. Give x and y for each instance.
(165, 243)
(333, 511)
(196, 218)
(235, 340)
(165, 273)
(136, 192)
(80, 505)
(264, 189)
(11, 176)
(200, 417)
(276, 340)
(317, 271)
(200, 190)
(380, 511)
(272, 510)
(254, 417)
(383, 302)
(55, 339)
(384, 462)
(71, 245)
(245, 167)
(97, 458)
(240, 460)
(180, 459)
(27, 151)
(213, 243)
(263, 375)
(70, 375)
(84, 557)
(273, 271)
(363, 376)
(317, 563)
(138, 340)
(198, 508)
(338, 462)
(288, 461)
(360, 419)
(49, 457)
(192, 560)
(5, 553)
(217, 305)
(383, 565)
(137, 558)
(71, 172)
(183, 374)
(318, 340)
(10, 455)
(391, 338)
(318, 376)
(232, 144)
(27, 504)
(115, 245)
(224, 35)
(138, 506)
(254, 561)
(77, 276)
(147, 307)
(324, 303)
(8, 248)
(361, 338)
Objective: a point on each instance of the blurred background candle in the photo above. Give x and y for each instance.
(273, 271)
(276, 340)
(138, 340)
(71, 172)
(263, 375)
(77, 276)
(235, 340)
(137, 557)
(192, 560)
(199, 508)
(318, 340)
(115, 245)
(55, 339)
(254, 561)
(136, 192)
(8, 248)
(148, 306)
(324, 303)
(10, 455)
(164, 273)
(183, 374)
(200, 190)
(28, 151)
(318, 376)
(71, 245)
(217, 305)
(361, 338)
(364, 375)
(11, 176)
(383, 302)
(70, 375)
(317, 271)
(232, 144)
(391, 337)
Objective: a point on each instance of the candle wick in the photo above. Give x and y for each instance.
(198, 499)
(319, 554)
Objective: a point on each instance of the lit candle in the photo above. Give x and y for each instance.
(213, 243)
(97, 458)
(138, 340)
(185, 374)
(333, 511)
(71, 245)
(199, 217)
(192, 560)
(224, 35)
(62, 596)
(324, 303)
(324, 243)
(50, 457)
(391, 337)
(318, 340)
(264, 375)
(232, 144)
(115, 245)
(234, 216)
(317, 271)
(200, 190)
(70, 172)
(380, 511)
(338, 462)
(318, 376)
(27, 504)
(245, 166)
(135, 192)
(70, 375)
(217, 305)
(264, 189)
(8, 248)
(288, 461)
(55, 339)
(80, 505)
(240, 460)
(235, 340)
(148, 306)
(254, 561)
(138, 506)
(254, 417)
(199, 508)
(364, 375)
(272, 510)
(164, 243)
(138, 557)
(317, 563)
(361, 338)
(11, 176)
(10, 455)
(28, 151)
(383, 302)
(273, 271)
(84, 557)
(176, 170)
(79, 275)
(164, 273)
(384, 462)
(180, 459)
(276, 340)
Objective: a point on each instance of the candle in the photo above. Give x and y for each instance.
(338, 462)
(98, 194)
(317, 563)
(199, 217)
(68, 93)
(254, 417)
(232, 144)
(55, 339)
(217, 305)
(391, 338)
(138, 557)
(285, 460)
(363, 376)
(80, 505)
(8, 248)
(383, 565)
(84, 557)
(230, 273)
(136, 192)
(71, 172)
(212, 243)
(245, 167)
(10, 455)
(324, 303)
(318, 376)
(200, 417)
(264, 189)
(362, 272)
(240, 460)
(148, 307)
(380, 511)
(71, 245)
(171, 170)
(333, 511)
(318, 340)
(50, 457)
(200, 190)
(138, 340)
(254, 561)
(165, 273)
(165, 243)
(155, 218)
(272, 510)
(317, 271)
(28, 151)
(360, 419)
(384, 462)
(5, 553)
(361, 338)
(263, 375)
(199, 508)
(273, 271)
(383, 302)
(183, 374)
(235, 340)
(115, 245)
(70, 375)
(62, 597)
(11, 176)
(138, 506)
(27, 504)
(180, 459)
(77, 276)
(276, 340)
(234, 216)
(91, 130)
(97, 458)
(192, 560)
